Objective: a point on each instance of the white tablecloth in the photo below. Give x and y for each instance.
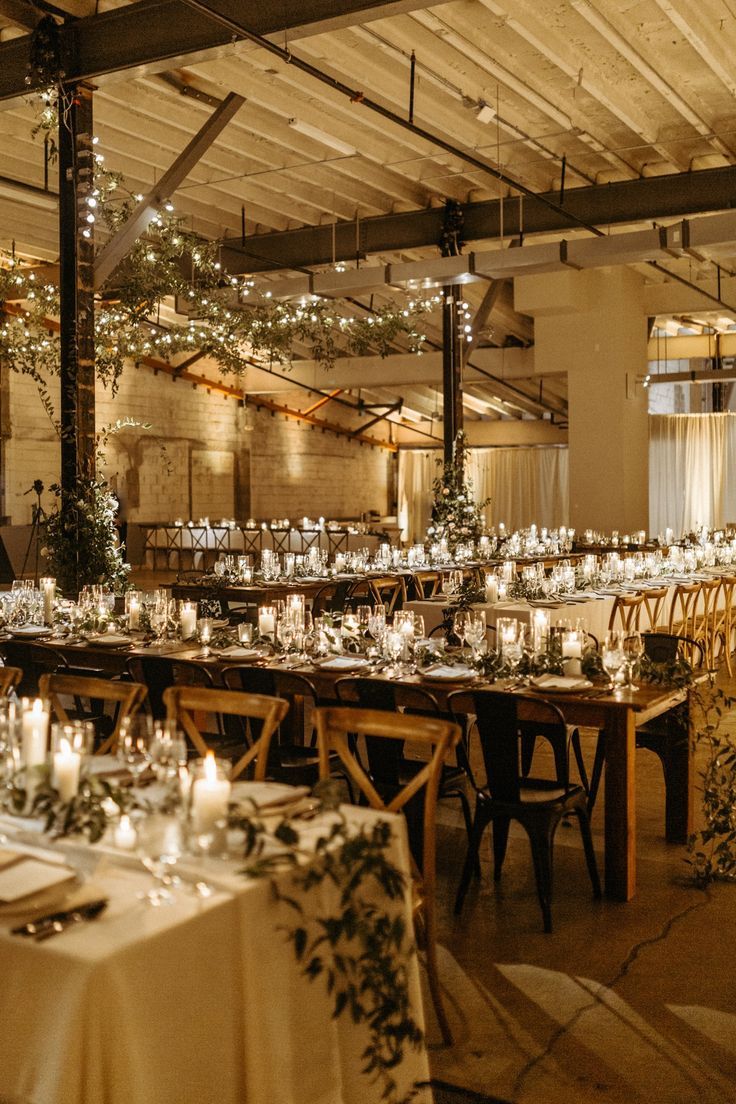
(200, 1002)
(594, 613)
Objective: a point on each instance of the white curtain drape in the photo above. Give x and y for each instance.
(524, 485)
(691, 461)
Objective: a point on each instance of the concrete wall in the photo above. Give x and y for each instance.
(204, 455)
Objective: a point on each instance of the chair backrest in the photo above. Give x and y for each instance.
(385, 759)
(33, 660)
(298, 691)
(426, 583)
(663, 647)
(654, 599)
(10, 677)
(337, 727)
(184, 702)
(682, 610)
(499, 729)
(126, 696)
(157, 673)
(388, 591)
(331, 597)
(626, 612)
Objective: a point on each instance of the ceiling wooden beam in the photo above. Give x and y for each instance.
(153, 35)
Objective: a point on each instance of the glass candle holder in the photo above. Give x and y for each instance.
(71, 743)
(188, 620)
(209, 795)
(267, 621)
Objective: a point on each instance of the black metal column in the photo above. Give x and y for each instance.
(452, 391)
(77, 322)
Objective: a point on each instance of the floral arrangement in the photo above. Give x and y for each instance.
(81, 540)
(456, 517)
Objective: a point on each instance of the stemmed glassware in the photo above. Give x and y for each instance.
(475, 631)
(460, 624)
(613, 656)
(134, 744)
(160, 844)
(633, 651)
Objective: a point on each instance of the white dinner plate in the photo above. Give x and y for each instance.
(30, 631)
(235, 651)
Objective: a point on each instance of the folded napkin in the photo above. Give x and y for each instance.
(28, 876)
(560, 682)
(343, 663)
(444, 671)
(236, 651)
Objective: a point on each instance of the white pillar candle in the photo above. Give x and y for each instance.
(339, 562)
(571, 649)
(34, 734)
(491, 590)
(134, 613)
(66, 770)
(188, 620)
(125, 836)
(266, 621)
(210, 796)
(540, 630)
(48, 589)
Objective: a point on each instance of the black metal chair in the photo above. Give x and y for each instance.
(412, 700)
(538, 804)
(158, 673)
(331, 597)
(291, 758)
(667, 735)
(34, 660)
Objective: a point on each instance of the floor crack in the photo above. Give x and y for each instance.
(620, 974)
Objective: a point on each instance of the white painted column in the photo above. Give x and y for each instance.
(592, 325)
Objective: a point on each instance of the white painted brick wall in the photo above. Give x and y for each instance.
(294, 469)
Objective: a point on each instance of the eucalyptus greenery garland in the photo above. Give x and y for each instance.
(228, 318)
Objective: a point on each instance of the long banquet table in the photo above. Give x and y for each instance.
(617, 714)
(198, 1002)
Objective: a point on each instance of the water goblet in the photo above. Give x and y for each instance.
(475, 632)
(633, 651)
(160, 843)
(134, 744)
(612, 656)
(460, 623)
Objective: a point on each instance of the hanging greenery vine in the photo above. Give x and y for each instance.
(229, 320)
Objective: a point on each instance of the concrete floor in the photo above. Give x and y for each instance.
(622, 1003)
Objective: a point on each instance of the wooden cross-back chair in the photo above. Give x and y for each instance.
(704, 616)
(723, 626)
(682, 610)
(388, 591)
(427, 584)
(654, 600)
(626, 612)
(89, 695)
(10, 677)
(337, 729)
(183, 703)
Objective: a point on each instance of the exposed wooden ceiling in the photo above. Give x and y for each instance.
(592, 103)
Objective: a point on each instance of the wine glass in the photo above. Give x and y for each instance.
(168, 752)
(134, 744)
(613, 657)
(475, 632)
(460, 623)
(160, 844)
(633, 651)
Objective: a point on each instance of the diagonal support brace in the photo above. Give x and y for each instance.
(120, 245)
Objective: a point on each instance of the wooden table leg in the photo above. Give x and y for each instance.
(620, 813)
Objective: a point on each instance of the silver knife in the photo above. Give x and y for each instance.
(56, 922)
